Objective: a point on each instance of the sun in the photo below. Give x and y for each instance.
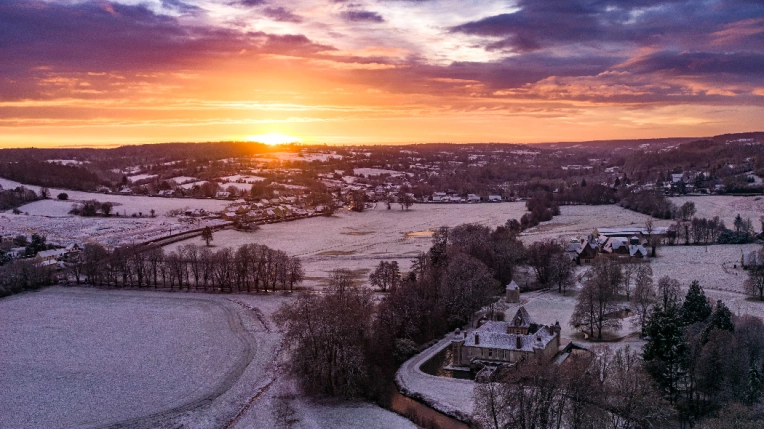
(273, 139)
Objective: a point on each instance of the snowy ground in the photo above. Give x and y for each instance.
(112, 231)
(239, 186)
(76, 357)
(96, 358)
(246, 178)
(138, 177)
(183, 179)
(727, 207)
(576, 221)
(122, 203)
(450, 396)
(51, 218)
(377, 172)
(359, 241)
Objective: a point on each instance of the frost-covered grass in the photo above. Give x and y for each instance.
(112, 231)
(575, 221)
(137, 177)
(67, 161)
(726, 207)
(239, 186)
(123, 203)
(84, 357)
(358, 241)
(183, 179)
(713, 266)
(376, 172)
(282, 403)
(246, 178)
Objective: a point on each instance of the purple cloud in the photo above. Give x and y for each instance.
(361, 16)
(281, 14)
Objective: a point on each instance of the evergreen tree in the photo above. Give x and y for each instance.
(755, 385)
(666, 350)
(695, 307)
(720, 319)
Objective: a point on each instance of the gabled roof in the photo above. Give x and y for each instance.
(637, 248)
(49, 253)
(493, 335)
(513, 286)
(522, 319)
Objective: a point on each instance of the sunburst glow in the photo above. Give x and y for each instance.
(273, 139)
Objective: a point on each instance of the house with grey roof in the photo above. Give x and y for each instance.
(509, 342)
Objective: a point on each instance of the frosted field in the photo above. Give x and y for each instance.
(85, 357)
(122, 203)
(239, 186)
(577, 221)
(183, 179)
(727, 207)
(112, 231)
(247, 179)
(138, 177)
(358, 241)
(76, 357)
(377, 172)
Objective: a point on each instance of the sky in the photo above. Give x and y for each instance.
(99, 72)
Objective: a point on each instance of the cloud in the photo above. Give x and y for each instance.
(180, 6)
(361, 16)
(549, 24)
(249, 3)
(281, 14)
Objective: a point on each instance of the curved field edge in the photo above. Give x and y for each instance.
(197, 399)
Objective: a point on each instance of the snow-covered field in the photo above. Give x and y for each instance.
(727, 207)
(245, 178)
(376, 172)
(86, 357)
(239, 186)
(66, 161)
(576, 221)
(123, 203)
(76, 357)
(51, 218)
(183, 179)
(359, 241)
(112, 231)
(138, 177)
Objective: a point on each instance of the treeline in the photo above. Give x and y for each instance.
(22, 275)
(604, 389)
(705, 360)
(710, 231)
(91, 208)
(651, 203)
(14, 198)
(250, 268)
(541, 208)
(48, 174)
(344, 343)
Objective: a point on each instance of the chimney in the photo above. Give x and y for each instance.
(519, 342)
(477, 339)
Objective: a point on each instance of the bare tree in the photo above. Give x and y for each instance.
(644, 294)
(668, 290)
(207, 235)
(385, 276)
(754, 285)
(597, 299)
